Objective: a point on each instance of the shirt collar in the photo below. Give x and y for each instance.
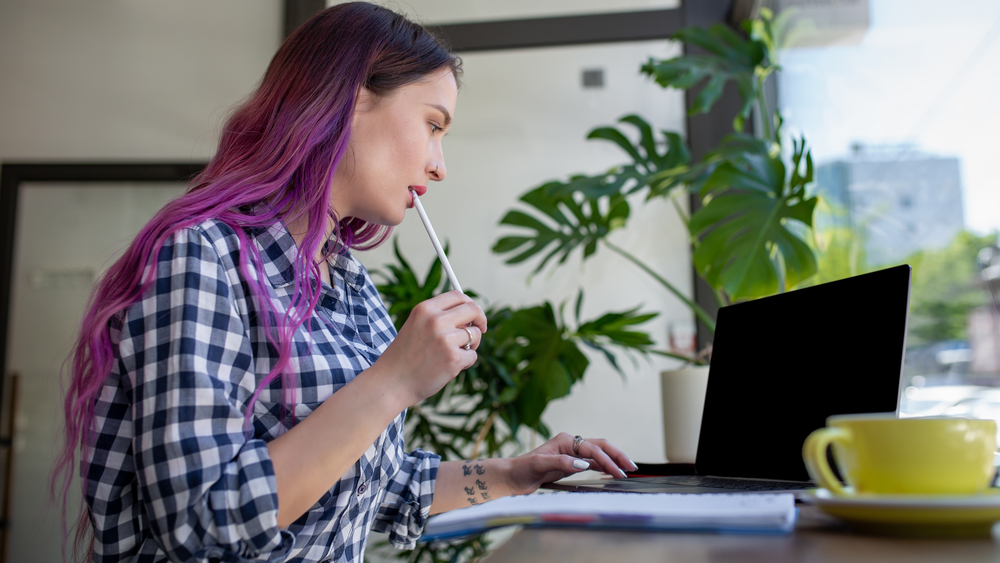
(278, 252)
(347, 266)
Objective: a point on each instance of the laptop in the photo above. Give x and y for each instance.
(780, 366)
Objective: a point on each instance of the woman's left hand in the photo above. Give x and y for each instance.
(555, 459)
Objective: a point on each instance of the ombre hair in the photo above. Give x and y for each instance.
(276, 160)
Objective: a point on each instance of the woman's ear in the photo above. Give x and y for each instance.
(367, 100)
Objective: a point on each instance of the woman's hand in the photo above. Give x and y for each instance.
(466, 483)
(429, 350)
(556, 459)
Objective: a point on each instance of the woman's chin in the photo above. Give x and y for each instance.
(389, 220)
(395, 221)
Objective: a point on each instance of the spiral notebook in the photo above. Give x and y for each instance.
(768, 514)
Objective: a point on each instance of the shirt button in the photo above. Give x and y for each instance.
(361, 489)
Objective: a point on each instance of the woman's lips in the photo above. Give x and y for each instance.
(419, 190)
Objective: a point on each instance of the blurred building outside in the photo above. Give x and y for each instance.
(902, 199)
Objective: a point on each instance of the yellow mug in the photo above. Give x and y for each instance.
(879, 453)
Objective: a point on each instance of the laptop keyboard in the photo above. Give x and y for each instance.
(724, 483)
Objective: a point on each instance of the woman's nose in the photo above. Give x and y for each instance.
(437, 170)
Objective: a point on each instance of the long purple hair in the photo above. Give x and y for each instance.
(279, 148)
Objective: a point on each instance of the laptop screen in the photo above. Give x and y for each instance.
(782, 364)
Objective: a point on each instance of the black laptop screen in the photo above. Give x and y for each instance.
(782, 364)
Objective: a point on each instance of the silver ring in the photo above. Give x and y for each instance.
(468, 345)
(576, 444)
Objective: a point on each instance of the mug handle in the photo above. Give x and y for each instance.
(814, 454)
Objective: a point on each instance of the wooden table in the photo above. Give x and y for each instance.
(817, 539)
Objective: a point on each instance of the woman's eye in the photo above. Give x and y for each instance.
(435, 128)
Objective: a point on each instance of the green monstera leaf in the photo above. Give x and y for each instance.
(747, 233)
(584, 210)
(570, 222)
(647, 158)
(728, 57)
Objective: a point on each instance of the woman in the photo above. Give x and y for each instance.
(238, 388)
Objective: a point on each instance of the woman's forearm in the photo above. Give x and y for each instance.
(466, 483)
(311, 457)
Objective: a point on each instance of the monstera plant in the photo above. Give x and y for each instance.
(749, 232)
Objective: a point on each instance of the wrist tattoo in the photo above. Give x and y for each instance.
(481, 484)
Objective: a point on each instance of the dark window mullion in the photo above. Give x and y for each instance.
(560, 31)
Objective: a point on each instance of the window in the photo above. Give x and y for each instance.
(902, 127)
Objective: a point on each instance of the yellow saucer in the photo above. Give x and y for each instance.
(914, 515)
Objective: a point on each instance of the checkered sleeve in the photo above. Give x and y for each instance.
(408, 496)
(208, 490)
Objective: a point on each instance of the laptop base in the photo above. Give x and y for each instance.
(687, 484)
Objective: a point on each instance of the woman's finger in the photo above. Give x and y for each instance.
(465, 313)
(449, 299)
(595, 449)
(468, 337)
(555, 467)
(616, 454)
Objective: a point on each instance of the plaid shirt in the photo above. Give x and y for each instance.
(172, 474)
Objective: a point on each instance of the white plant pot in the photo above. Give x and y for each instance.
(683, 392)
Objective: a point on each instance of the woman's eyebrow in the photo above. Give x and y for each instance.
(444, 111)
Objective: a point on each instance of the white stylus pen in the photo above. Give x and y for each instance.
(434, 240)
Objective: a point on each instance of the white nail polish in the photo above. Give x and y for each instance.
(634, 466)
(580, 464)
(624, 476)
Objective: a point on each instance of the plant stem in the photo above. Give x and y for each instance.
(680, 212)
(482, 434)
(762, 108)
(702, 315)
(683, 358)
(719, 299)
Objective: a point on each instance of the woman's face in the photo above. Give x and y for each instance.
(395, 144)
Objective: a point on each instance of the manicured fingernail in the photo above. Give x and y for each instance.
(623, 473)
(634, 466)
(580, 464)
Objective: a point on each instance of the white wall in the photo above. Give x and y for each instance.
(126, 79)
